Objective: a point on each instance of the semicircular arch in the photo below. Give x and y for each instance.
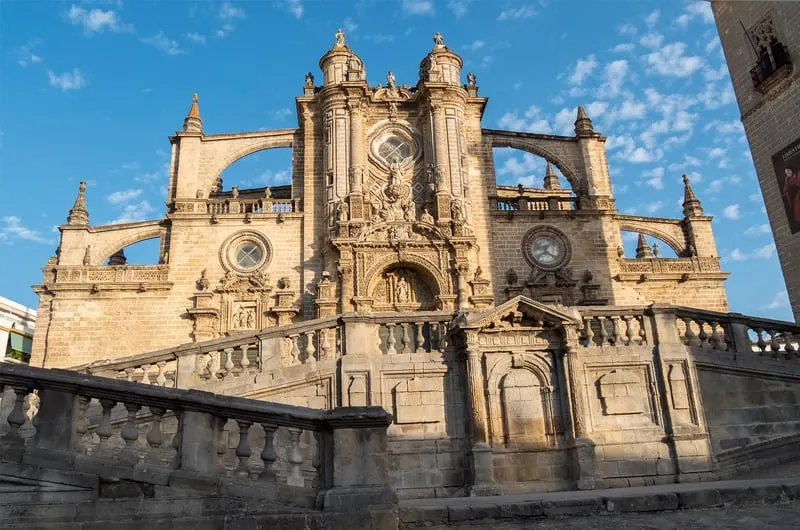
(678, 246)
(240, 151)
(534, 364)
(530, 146)
(427, 268)
(111, 248)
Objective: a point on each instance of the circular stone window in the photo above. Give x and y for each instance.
(245, 252)
(546, 248)
(395, 149)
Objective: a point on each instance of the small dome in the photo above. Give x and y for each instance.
(441, 65)
(341, 63)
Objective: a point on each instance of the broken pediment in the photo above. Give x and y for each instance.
(519, 312)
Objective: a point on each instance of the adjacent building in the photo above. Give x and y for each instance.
(762, 45)
(17, 323)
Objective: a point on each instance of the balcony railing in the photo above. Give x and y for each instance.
(773, 65)
(533, 204)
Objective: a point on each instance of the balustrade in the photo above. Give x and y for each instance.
(614, 328)
(412, 337)
(533, 203)
(252, 206)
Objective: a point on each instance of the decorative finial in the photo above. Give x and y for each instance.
(691, 204)
(583, 124)
(193, 122)
(118, 258)
(551, 179)
(339, 39)
(78, 214)
(309, 79)
(438, 39)
(643, 250)
(471, 79)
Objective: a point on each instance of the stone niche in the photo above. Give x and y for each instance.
(622, 397)
(402, 289)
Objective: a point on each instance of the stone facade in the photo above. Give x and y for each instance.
(393, 206)
(762, 61)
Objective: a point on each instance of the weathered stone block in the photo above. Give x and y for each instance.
(643, 503)
(709, 498)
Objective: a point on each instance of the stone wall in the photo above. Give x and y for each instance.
(771, 119)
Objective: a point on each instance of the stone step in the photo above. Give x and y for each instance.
(443, 513)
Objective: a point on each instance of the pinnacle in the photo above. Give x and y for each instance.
(583, 124)
(78, 214)
(691, 204)
(193, 122)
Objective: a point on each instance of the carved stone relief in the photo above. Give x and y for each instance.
(621, 392)
(402, 289)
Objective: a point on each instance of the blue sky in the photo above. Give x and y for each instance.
(92, 89)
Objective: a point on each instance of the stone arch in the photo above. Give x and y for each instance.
(125, 240)
(678, 246)
(535, 364)
(544, 146)
(420, 264)
(227, 149)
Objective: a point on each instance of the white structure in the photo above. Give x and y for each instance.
(17, 324)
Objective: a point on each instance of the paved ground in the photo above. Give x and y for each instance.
(755, 517)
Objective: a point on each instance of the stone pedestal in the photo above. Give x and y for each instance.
(584, 464)
(483, 483)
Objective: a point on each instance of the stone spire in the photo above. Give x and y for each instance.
(583, 125)
(551, 179)
(691, 204)
(78, 214)
(643, 250)
(193, 122)
(118, 258)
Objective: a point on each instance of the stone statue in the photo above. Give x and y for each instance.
(408, 211)
(309, 79)
(401, 291)
(426, 217)
(458, 211)
(478, 273)
(656, 252)
(199, 194)
(250, 318)
(87, 256)
(438, 39)
(203, 284)
(235, 192)
(342, 212)
(471, 79)
(339, 38)
(395, 175)
(390, 79)
(267, 193)
(511, 277)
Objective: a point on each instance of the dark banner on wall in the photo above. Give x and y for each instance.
(787, 170)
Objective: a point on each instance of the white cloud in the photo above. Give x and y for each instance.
(653, 207)
(97, 20)
(486, 61)
(196, 37)
(418, 7)
(476, 45)
(349, 26)
(716, 152)
(227, 11)
(623, 47)
(68, 80)
(134, 212)
(764, 252)
(283, 113)
(270, 178)
(13, 228)
(652, 40)
(583, 68)
(26, 56)
(732, 212)
(640, 155)
(532, 120)
(757, 230)
(779, 301)
(696, 9)
(655, 178)
(124, 196)
(613, 77)
(458, 7)
(652, 18)
(627, 30)
(669, 61)
(295, 7)
(163, 43)
(688, 161)
(716, 75)
(518, 13)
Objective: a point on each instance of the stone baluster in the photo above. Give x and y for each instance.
(146, 374)
(16, 418)
(642, 331)
(762, 344)
(774, 345)
(121, 374)
(324, 346)
(318, 482)
(295, 353)
(442, 337)
(295, 459)
(588, 332)
(130, 433)
(603, 331)
(788, 347)
(155, 438)
(161, 378)
(406, 340)
(130, 373)
(420, 338)
(81, 425)
(390, 340)
(244, 362)
(702, 336)
(222, 446)
(629, 330)
(268, 455)
(715, 339)
(689, 335)
(201, 365)
(177, 441)
(213, 364)
(311, 351)
(243, 451)
(104, 430)
(229, 361)
(615, 330)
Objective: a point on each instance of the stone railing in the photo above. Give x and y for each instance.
(305, 343)
(346, 449)
(619, 326)
(535, 204)
(736, 332)
(669, 265)
(115, 274)
(238, 206)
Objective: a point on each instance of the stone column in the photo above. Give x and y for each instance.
(442, 166)
(360, 459)
(483, 482)
(584, 462)
(356, 159)
(346, 281)
(462, 302)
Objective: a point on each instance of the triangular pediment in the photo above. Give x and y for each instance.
(519, 312)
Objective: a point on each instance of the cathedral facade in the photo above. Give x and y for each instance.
(393, 206)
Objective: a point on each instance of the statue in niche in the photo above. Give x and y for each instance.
(408, 211)
(458, 212)
(401, 291)
(309, 79)
(511, 277)
(426, 217)
(471, 79)
(395, 174)
(390, 80)
(431, 182)
(342, 212)
(392, 111)
(250, 319)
